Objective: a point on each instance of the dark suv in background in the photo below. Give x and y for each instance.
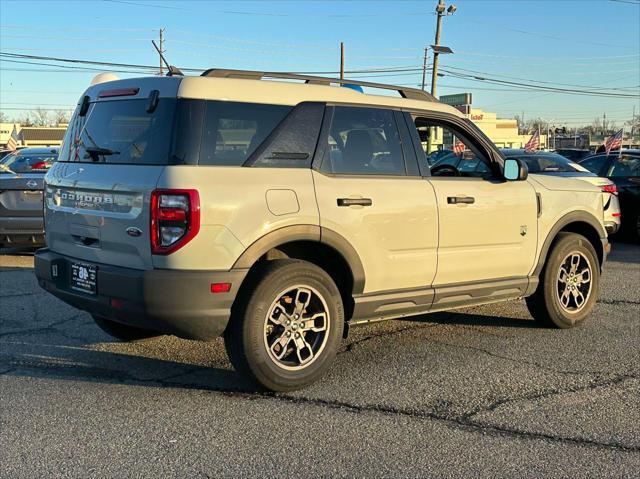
(623, 168)
(21, 185)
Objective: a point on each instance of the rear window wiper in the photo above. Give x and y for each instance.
(97, 151)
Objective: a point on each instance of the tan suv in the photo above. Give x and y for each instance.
(278, 214)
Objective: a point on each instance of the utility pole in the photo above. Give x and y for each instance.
(434, 72)
(424, 67)
(161, 50)
(341, 60)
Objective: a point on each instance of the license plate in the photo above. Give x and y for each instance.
(84, 277)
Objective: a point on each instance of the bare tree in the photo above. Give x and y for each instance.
(25, 119)
(3, 117)
(61, 116)
(41, 117)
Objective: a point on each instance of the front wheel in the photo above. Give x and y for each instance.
(287, 326)
(569, 283)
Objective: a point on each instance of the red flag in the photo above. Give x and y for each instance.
(533, 143)
(613, 142)
(458, 147)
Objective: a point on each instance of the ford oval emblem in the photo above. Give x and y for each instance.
(133, 231)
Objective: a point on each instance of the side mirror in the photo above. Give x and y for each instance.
(515, 169)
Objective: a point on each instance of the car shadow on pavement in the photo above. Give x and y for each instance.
(469, 319)
(62, 357)
(82, 363)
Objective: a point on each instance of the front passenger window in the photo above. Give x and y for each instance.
(364, 141)
(449, 152)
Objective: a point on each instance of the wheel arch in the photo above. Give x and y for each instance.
(579, 222)
(320, 246)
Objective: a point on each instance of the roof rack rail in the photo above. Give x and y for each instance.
(405, 92)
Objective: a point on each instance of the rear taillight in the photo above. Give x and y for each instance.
(613, 189)
(40, 165)
(175, 219)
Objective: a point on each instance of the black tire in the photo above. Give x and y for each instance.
(121, 331)
(250, 338)
(546, 304)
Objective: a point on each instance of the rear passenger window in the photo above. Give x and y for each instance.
(364, 141)
(232, 131)
(624, 166)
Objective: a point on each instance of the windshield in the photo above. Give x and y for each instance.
(550, 163)
(121, 131)
(21, 162)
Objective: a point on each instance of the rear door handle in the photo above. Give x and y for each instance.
(457, 200)
(354, 202)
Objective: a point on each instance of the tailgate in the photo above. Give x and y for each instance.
(100, 212)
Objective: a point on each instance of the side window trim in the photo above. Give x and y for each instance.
(421, 157)
(408, 152)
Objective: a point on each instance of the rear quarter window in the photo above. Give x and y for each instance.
(232, 131)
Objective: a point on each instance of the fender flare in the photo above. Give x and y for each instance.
(572, 217)
(288, 234)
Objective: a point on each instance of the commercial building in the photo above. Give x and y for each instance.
(32, 135)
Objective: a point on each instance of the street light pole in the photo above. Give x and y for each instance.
(434, 73)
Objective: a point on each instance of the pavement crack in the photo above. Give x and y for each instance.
(22, 295)
(594, 384)
(52, 327)
(517, 360)
(615, 302)
(349, 347)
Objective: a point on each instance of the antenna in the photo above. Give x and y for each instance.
(172, 70)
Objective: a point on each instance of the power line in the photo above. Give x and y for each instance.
(449, 71)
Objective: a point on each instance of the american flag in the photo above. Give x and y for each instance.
(11, 144)
(533, 143)
(458, 147)
(613, 142)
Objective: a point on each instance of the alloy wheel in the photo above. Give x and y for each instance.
(296, 327)
(574, 282)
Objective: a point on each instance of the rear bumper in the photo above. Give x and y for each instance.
(176, 302)
(611, 227)
(26, 230)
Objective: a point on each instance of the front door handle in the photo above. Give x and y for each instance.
(354, 202)
(458, 200)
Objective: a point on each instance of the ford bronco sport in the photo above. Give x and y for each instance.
(278, 214)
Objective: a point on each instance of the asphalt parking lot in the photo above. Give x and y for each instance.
(481, 392)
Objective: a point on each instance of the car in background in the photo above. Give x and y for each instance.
(21, 187)
(573, 154)
(433, 158)
(623, 168)
(552, 163)
(4, 152)
(538, 162)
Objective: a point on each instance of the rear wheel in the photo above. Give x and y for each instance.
(123, 332)
(287, 326)
(569, 283)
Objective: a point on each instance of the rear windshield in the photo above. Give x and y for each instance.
(28, 163)
(179, 131)
(121, 131)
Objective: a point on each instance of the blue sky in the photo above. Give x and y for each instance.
(586, 44)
